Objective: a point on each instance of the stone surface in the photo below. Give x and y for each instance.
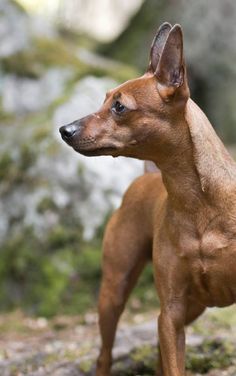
(38, 94)
(14, 32)
(54, 170)
(73, 350)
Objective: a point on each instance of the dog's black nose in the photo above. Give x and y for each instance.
(67, 131)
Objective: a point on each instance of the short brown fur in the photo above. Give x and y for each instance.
(185, 219)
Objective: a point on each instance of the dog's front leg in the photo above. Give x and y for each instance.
(172, 338)
(172, 278)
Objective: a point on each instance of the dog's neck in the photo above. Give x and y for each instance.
(202, 171)
(215, 166)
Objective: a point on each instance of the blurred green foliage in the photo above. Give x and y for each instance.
(211, 354)
(59, 274)
(49, 276)
(60, 52)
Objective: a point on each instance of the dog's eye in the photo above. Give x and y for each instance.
(118, 108)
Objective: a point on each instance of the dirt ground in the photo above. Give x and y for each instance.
(68, 346)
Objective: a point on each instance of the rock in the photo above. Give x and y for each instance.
(38, 93)
(51, 165)
(14, 32)
(87, 97)
(17, 29)
(42, 27)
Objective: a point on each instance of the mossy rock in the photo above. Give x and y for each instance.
(141, 361)
(50, 53)
(43, 54)
(211, 354)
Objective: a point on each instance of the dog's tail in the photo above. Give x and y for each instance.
(150, 167)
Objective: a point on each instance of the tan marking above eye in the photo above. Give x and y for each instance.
(129, 101)
(125, 99)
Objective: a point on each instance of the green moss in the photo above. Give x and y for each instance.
(120, 72)
(70, 355)
(60, 236)
(14, 171)
(13, 370)
(224, 317)
(5, 117)
(90, 261)
(52, 358)
(86, 366)
(14, 323)
(141, 353)
(145, 358)
(142, 361)
(74, 38)
(27, 157)
(58, 273)
(41, 133)
(55, 52)
(5, 165)
(44, 53)
(46, 204)
(212, 354)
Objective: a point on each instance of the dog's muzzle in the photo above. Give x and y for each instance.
(69, 130)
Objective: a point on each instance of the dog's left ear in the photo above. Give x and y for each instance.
(157, 46)
(171, 71)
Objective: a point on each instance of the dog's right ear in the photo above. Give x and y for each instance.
(171, 71)
(158, 45)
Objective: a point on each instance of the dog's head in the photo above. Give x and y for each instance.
(137, 117)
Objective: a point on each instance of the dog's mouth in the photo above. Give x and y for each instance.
(98, 151)
(89, 147)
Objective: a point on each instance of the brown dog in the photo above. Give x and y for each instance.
(187, 223)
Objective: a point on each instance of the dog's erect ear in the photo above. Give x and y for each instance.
(157, 46)
(170, 71)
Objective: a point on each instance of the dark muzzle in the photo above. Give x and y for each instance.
(69, 130)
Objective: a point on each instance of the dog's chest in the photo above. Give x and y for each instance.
(211, 261)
